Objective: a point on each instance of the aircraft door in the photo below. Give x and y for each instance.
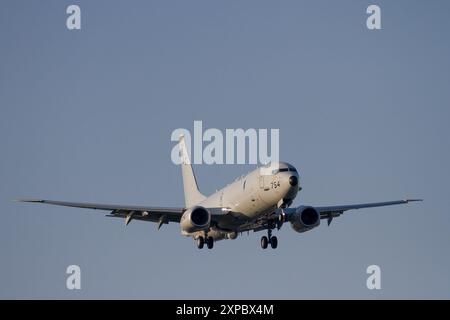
(264, 182)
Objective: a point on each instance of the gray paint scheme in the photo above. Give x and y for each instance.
(252, 202)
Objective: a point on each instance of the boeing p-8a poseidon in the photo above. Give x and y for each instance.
(255, 202)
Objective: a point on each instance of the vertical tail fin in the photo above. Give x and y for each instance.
(192, 195)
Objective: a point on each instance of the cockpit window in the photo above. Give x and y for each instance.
(284, 170)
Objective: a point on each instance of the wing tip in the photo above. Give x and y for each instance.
(412, 200)
(28, 200)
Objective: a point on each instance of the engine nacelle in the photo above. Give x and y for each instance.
(195, 219)
(304, 219)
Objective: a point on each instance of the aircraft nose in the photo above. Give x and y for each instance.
(293, 181)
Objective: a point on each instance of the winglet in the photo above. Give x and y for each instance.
(412, 200)
(29, 200)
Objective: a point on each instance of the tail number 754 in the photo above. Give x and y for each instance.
(275, 184)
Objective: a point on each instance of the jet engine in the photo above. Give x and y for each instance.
(304, 219)
(195, 219)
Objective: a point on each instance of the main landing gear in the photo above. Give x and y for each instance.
(201, 242)
(273, 240)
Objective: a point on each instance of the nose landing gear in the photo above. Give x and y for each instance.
(273, 240)
(264, 242)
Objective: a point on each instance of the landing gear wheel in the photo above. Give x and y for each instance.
(274, 242)
(200, 242)
(210, 242)
(264, 242)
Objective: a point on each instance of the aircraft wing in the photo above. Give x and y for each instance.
(331, 212)
(161, 215)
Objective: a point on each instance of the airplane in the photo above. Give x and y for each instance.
(254, 202)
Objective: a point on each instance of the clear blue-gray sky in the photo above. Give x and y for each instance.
(87, 116)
